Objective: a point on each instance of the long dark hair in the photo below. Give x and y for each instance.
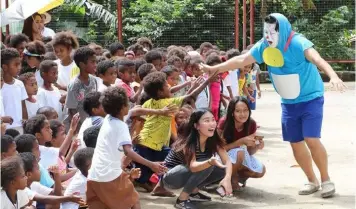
(27, 26)
(189, 144)
(229, 126)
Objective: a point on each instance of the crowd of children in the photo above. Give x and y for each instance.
(82, 126)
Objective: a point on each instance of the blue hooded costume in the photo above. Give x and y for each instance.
(298, 82)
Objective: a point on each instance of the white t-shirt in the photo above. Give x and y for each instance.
(78, 184)
(106, 163)
(49, 156)
(64, 73)
(234, 82)
(12, 96)
(23, 198)
(51, 99)
(47, 32)
(38, 188)
(102, 88)
(32, 107)
(2, 111)
(203, 99)
(39, 78)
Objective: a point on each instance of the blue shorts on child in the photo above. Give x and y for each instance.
(302, 120)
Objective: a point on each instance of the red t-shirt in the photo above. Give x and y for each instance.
(241, 134)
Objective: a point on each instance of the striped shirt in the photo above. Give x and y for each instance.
(174, 158)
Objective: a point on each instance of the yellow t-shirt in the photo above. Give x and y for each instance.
(241, 85)
(75, 71)
(156, 131)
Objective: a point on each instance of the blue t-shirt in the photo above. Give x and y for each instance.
(45, 179)
(298, 80)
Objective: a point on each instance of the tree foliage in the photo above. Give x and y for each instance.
(328, 24)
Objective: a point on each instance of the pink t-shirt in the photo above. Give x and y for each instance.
(129, 91)
(215, 97)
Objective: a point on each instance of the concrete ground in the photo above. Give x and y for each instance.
(279, 187)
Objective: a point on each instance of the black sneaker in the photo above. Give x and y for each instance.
(184, 204)
(199, 197)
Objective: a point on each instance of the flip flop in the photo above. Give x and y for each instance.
(327, 189)
(309, 188)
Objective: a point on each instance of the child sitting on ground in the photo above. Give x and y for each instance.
(32, 104)
(13, 183)
(29, 143)
(78, 185)
(44, 194)
(39, 127)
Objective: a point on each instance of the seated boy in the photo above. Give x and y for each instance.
(78, 185)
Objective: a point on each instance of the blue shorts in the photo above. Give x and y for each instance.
(252, 105)
(302, 120)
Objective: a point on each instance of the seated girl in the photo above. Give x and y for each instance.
(239, 131)
(192, 164)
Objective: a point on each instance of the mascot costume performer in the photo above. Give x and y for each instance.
(293, 64)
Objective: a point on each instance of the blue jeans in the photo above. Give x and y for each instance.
(151, 155)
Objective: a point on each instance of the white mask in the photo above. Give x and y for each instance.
(270, 34)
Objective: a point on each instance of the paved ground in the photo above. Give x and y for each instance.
(278, 189)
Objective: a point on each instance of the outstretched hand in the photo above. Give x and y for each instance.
(338, 84)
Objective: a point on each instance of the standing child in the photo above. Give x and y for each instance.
(155, 57)
(156, 132)
(243, 80)
(83, 84)
(64, 43)
(48, 94)
(127, 74)
(34, 54)
(32, 104)
(108, 73)
(13, 91)
(215, 87)
(108, 186)
(13, 183)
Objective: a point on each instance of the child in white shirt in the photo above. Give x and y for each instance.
(49, 95)
(64, 43)
(13, 91)
(105, 173)
(32, 104)
(82, 160)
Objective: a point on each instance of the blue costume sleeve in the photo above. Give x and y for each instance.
(299, 44)
(257, 50)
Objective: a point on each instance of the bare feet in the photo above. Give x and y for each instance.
(161, 192)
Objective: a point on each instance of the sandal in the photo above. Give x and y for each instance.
(309, 188)
(327, 189)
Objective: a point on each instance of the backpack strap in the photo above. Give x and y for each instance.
(289, 40)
